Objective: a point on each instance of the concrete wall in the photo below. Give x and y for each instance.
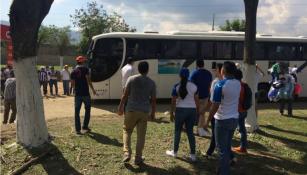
(49, 55)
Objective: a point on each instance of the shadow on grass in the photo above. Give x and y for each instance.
(151, 170)
(292, 166)
(160, 120)
(54, 162)
(104, 139)
(271, 127)
(275, 106)
(299, 117)
(251, 144)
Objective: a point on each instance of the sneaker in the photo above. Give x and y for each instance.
(126, 158)
(193, 157)
(171, 153)
(233, 162)
(86, 130)
(139, 161)
(207, 133)
(201, 132)
(78, 133)
(239, 150)
(207, 156)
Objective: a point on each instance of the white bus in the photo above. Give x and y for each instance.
(167, 53)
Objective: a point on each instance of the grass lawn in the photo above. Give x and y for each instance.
(279, 147)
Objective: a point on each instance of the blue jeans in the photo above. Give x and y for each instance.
(242, 129)
(87, 104)
(55, 84)
(224, 130)
(212, 142)
(185, 116)
(66, 87)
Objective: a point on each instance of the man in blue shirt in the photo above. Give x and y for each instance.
(224, 109)
(202, 78)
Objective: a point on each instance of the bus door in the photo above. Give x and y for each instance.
(106, 60)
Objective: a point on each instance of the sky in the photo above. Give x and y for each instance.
(276, 17)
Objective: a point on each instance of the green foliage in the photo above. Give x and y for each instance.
(94, 20)
(234, 25)
(57, 36)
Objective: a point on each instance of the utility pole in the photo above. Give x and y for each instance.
(213, 18)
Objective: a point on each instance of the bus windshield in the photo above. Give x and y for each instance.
(106, 59)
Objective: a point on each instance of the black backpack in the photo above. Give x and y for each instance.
(248, 96)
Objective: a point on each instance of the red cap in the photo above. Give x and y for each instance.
(80, 59)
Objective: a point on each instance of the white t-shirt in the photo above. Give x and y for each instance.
(216, 80)
(258, 75)
(292, 70)
(65, 74)
(227, 93)
(188, 101)
(127, 71)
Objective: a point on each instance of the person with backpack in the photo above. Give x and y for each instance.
(183, 110)
(224, 109)
(80, 80)
(245, 102)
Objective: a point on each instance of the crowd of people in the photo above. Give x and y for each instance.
(284, 86)
(49, 76)
(191, 97)
(226, 98)
(46, 75)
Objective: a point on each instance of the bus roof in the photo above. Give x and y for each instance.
(215, 35)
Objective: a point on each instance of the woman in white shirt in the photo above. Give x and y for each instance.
(184, 111)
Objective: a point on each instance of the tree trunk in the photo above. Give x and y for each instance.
(31, 125)
(249, 59)
(26, 17)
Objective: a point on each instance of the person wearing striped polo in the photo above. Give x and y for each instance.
(43, 79)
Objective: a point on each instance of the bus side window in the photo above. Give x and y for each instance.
(261, 51)
(170, 49)
(238, 51)
(305, 51)
(152, 49)
(207, 50)
(224, 49)
(188, 50)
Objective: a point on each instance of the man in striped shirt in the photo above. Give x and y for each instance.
(10, 99)
(43, 79)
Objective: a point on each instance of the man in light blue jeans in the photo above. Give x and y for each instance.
(224, 108)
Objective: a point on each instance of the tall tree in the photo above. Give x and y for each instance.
(249, 56)
(94, 20)
(234, 25)
(26, 17)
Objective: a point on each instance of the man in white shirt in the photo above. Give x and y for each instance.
(65, 74)
(127, 71)
(224, 109)
(293, 72)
